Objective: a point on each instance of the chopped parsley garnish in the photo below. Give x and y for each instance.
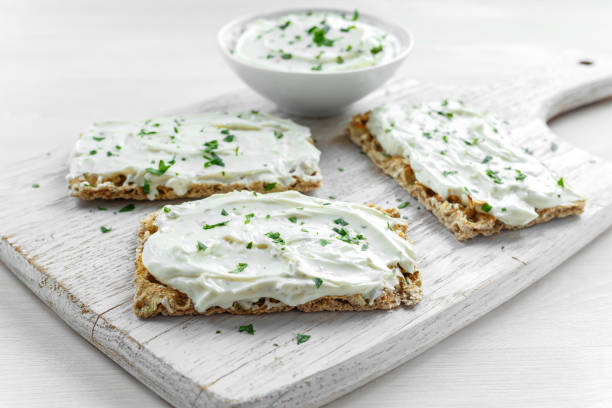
(528, 151)
(347, 29)
(105, 229)
(487, 159)
(240, 267)
(292, 219)
(223, 212)
(426, 134)
(219, 224)
(213, 160)
(318, 36)
(127, 208)
(449, 172)
(376, 50)
(561, 183)
(287, 24)
(355, 15)
(324, 242)
(99, 139)
(278, 134)
(100, 208)
(364, 247)
(92, 152)
(117, 147)
(339, 60)
(218, 331)
(520, 176)
(340, 221)
(553, 147)
(249, 245)
(350, 47)
(504, 209)
(166, 209)
(162, 167)
(35, 185)
(109, 154)
(486, 207)
(340, 169)
(318, 282)
(275, 236)
(144, 133)
(201, 246)
(445, 138)
(346, 237)
(317, 67)
(247, 329)
(493, 174)
(228, 138)
(302, 338)
(146, 187)
(472, 143)
(403, 205)
(286, 56)
(269, 186)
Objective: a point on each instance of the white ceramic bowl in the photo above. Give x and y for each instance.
(312, 93)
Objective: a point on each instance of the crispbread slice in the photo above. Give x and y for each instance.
(464, 221)
(152, 297)
(193, 156)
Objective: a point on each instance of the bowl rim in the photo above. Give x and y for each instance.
(240, 20)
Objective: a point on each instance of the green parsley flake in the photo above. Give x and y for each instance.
(376, 50)
(162, 167)
(219, 224)
(99, 139)
(240, 267)
(223, 212)
(146, 187)
(249, 245)
(487, 159)
(105, 229)
(35, 185)
(324, 242)
(486, 207)
(166, 209)
(561, 183)
(247, 329)
(129, 207)
(269, 186)
(102, 208)
(278, 134)
(403, 205)
(302, 338)
(318, 282)
(275, 236)
(292, 219)
(92, 152)
(201, 246)
(340, 221)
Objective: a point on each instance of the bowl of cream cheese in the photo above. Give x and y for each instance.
(314, 62)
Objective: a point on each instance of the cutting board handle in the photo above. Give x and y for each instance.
(573, 79)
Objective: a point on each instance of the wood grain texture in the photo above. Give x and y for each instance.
(55, 246)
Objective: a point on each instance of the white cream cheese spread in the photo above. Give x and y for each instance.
(243, 246)
(208, 148)
(456, 150)
(316, 42)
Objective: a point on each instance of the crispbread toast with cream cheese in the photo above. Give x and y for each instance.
(275, 249)
(193, 156)
(465, 221)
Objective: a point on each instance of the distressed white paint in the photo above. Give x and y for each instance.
(86, 276)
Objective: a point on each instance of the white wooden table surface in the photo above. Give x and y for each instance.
(64, 64)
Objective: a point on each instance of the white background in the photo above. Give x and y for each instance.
(65, 64)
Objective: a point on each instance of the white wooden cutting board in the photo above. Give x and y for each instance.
(54, 245)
